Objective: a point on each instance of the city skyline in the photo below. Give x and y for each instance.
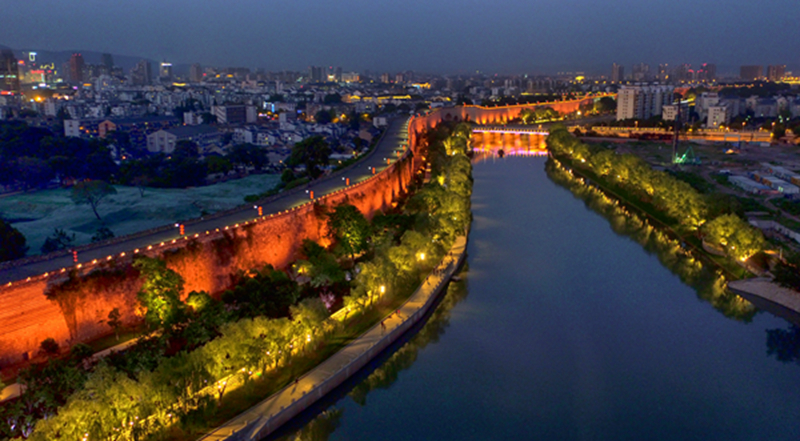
(435, 38)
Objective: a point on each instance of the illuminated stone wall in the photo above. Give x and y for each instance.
(72, 305)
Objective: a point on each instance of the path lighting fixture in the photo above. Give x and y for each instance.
(383, 289)
(421, 256)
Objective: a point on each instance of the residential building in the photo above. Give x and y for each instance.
(751, 73)
(142, 73)
(776, 72)
(195, 73)
(617, 73)
(165, 140)
(642, 102)
(230, 114)
(640, 72)
(76, 66)
(9, 72)
(72, 128)
(717, 116)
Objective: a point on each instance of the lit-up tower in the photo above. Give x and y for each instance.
(9, 71)
(165, 71)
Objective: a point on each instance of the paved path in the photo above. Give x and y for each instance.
(765, 288)
(395, 137)
(270, 414)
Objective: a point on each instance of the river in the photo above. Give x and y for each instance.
(575, 321)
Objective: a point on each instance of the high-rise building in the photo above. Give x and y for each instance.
(195, 73)
(640, 72)
(316, 74)
(165, 71)
(76, 66)
(142, 74)
(337, 74)
(108, 62)
(751, 73)
(663, 72)
(642, 102)
(776, 72)
(617, 73)
(707, 72)
(683, 72)
(9, 71)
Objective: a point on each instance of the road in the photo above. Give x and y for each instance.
(395, 138)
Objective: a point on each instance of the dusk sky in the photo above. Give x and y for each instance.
(423, 35)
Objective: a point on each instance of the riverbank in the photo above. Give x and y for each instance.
(267, 416)
(765, 288)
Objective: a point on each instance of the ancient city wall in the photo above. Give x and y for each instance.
(71, 305)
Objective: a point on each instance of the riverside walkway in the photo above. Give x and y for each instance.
(268, 415)
(394, 139)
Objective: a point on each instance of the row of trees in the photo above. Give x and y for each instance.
(33, 156)
(686, 208)
(133, 395)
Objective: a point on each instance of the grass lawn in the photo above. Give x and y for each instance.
(36, 215)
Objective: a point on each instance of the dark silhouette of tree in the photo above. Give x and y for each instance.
(60, 240)
(312, 152)
(12, 242)
(91, 193)
(784, 344)
(323, 117)
(49, 346)
(115, 321)
(103, 233)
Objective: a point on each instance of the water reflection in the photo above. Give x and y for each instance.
(708, 283)
(784, 344)
(325, 423)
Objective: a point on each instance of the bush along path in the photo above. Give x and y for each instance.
(215, 358)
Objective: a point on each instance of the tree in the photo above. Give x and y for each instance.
(787, 274)
(103, 233)
(115, 321)
(91, 193)
(350, 228)
(160, 292)
(49, 346)
(12, 242)
(323, 117)
(312, 152)
(60, 240)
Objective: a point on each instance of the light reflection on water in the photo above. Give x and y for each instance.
(576, 327)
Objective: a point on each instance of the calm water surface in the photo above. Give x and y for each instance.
(564, 329)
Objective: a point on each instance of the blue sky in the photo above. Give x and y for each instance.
(433, 35)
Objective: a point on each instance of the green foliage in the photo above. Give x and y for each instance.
(91, 193)
(678, 200)
(350, 228)
(80, 352)
(312, 152)
(320, 266)
(12, 242)
(538, 115)
(160, 293)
